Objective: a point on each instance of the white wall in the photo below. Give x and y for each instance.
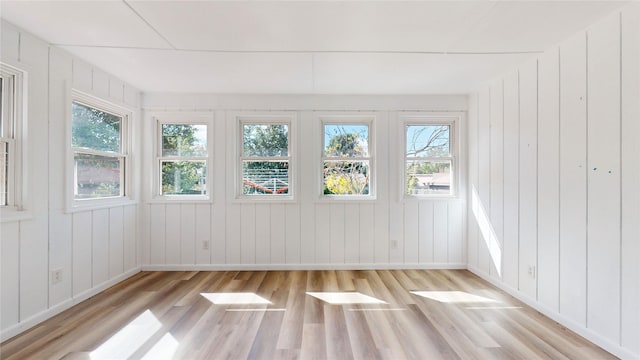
(308, 233)
(94, 249)
(555, 157)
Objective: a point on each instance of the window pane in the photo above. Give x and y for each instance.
(428, 140)
(346, 177)
(346, 140)
(184, 177)
(184, 140)
(97, 176)
(265, 140)
(95, 129)
(265, 177)
(428, 177)
(4, 173)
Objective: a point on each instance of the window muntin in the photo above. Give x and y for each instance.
(346, 159)
(429, 160)
(265, 158)
(99, 156)
(183, 159)
(6, 136)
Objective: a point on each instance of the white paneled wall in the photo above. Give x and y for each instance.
(92, 249)
(309, 232)
(558, 173)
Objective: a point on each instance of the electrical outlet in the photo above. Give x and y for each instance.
(205, 245)
(56, 276)
(532, 271)
(394, 244)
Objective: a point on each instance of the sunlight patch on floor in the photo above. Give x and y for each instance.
(129, 339)
(165, 348)
(453, 297)
(345, 298)
(235, 298)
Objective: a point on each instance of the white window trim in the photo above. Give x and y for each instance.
(266, 118)
(126, 113)
(16, 187)
(347, 118)
(425, 118)
(186, 118)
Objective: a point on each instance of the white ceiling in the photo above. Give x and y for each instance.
(322, 47)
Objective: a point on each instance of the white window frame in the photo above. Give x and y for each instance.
(453, 121)
(266, 118)
(349, 119)
(126, 185)
(182, 118)
(13, 130)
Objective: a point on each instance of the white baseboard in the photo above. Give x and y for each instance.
(264, 267)
(36, 319)
(570, 324)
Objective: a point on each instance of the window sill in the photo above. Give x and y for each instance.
(346, 198)
(13, 215)
(265, 200)
(189, 199)
(411, 198)
(89, 205)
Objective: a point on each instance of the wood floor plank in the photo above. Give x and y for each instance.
(460, 316)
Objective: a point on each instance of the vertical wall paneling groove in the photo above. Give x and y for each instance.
(366, 230)
(338, 239)
(497, 168)
(484, 174)
(233, 230)
(411, 232)
(172, 228)
(573, 182)
(116, 241)
(309, 156)
(203, 234)
(603, 225)
(292, 234)
(351, 247)
(130, 237)
(323, 234)
(511, 134)
(571, 117)
(263, 233)
(188, 234)
(396, 209)
(83, 270)
(425, 231)
(248, 233)
(630, 178)
(548, 178)
(100, 246)
(381, 206)
(157, 235)
(528, 177)
(472, 154)
(278, 229)
(440, 232)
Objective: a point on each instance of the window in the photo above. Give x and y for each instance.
(265, 157)
(10, 82)
(183, 160)
(346, 158)
(99, 144)
(429, 160)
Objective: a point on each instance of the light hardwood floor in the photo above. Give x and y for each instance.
(457, 316)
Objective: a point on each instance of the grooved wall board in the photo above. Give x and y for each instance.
(572, 115)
